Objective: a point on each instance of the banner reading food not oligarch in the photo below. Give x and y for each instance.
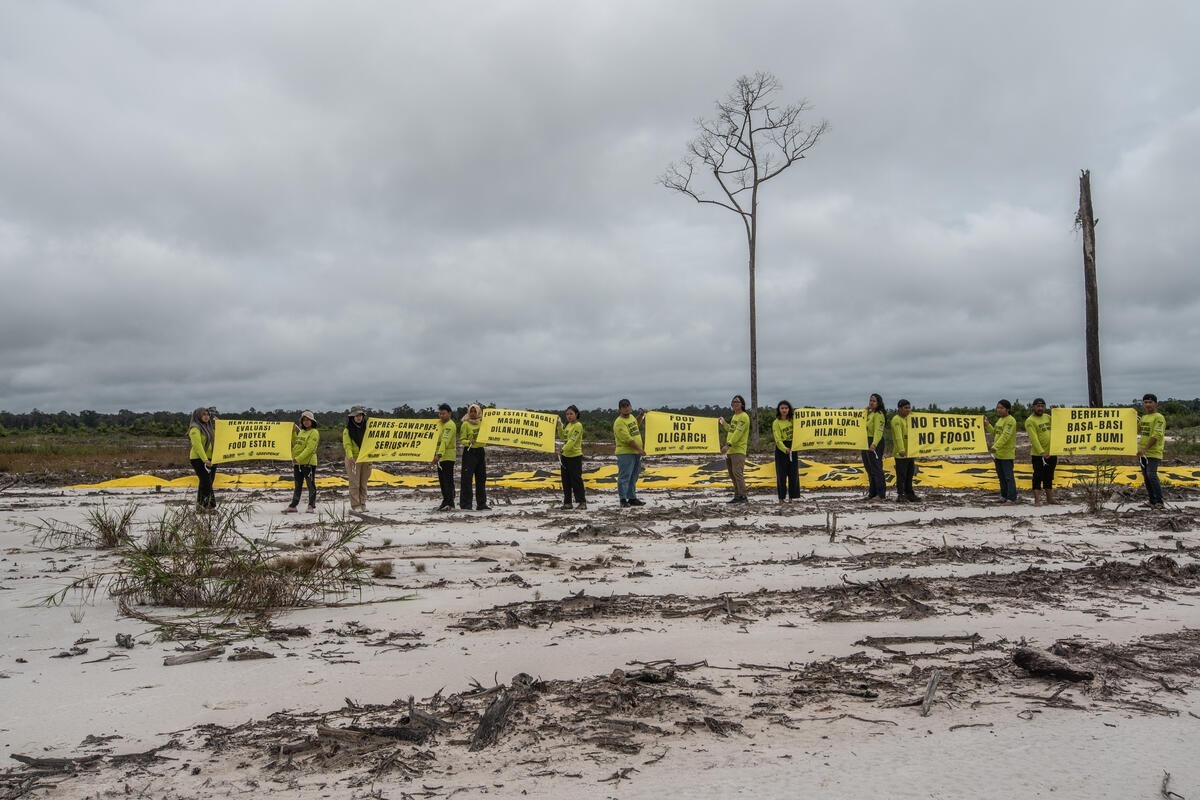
(680, 433)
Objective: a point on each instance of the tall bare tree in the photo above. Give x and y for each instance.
(1086, 222)
(751, 140)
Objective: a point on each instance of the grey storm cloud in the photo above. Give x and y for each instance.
(305, 204)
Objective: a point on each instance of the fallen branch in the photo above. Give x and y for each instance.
(1041, 664)
(198, 655)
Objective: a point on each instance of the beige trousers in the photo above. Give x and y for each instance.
(358, 473)
(736, 464)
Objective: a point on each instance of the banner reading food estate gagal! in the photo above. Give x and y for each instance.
(1093, 431)
(680, 433)
(399, 440)
(528, 430)
(945, 434)
(244, 440)
(829, 429)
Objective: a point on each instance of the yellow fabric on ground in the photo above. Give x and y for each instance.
(813, 475)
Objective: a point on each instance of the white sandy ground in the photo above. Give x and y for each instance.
(49, 705)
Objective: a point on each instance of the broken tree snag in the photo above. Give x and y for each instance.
(493, 720)
(1041, 664)
(198, 655)
(927, 702)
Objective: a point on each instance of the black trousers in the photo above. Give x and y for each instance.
(905, 469)
(572, 478)
(446, 481)
(787, 474)
(873, 464)
(1043, 471)
(302, 474)
(204, 492)
(474, 465)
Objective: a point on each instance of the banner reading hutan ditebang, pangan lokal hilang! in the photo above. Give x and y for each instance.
(945, 434)
(527, 430)
(398, 440)
(829, 429)
(244, 440)
(1093, 431)
(680, 433)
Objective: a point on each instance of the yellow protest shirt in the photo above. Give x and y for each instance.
(304, 447)
(739, 433)
(467, 432)
(1004, 433)
(197, 440)
(900, 436)
(1038, 429)
(1152, 425)
(447, 440)
(781, 429)
(627, 435)
(875, 425)
(572, 439)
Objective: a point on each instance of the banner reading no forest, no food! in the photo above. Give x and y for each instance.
(829, 429)
(1093, 431)
(244, 440)
(527, 430)
(680, 433)
(399, 440)
(945, 434)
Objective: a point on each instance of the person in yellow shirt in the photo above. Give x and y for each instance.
(627, 434)
(1037, 426)
(872, 457)
(736, 437)
(356, 474)
(571, 459)
(200, 435)
(304, 461)
(474, 461)
(1004, 449)
(905, 467)
(787, 466)
(443, 458)
(1152, 435)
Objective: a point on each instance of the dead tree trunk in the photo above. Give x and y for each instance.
(1086, 222)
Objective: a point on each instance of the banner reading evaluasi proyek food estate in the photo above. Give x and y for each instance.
(527, 430)
(932, 434)
(829, 429)
(398, 440)
(1093, 431)
(244, 440)
(680, 433)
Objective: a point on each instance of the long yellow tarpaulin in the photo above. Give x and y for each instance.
(813, 475)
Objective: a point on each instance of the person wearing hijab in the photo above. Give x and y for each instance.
(356, 473)
(474, 461)
(200, 434)
(304, 461)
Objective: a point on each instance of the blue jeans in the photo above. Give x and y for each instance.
(628, 467)
(1008, 484)
(1150, 476)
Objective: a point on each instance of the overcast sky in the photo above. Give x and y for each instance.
(285, 205)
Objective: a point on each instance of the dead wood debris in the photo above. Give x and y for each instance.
(626, 709)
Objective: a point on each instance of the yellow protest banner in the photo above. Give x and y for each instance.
(398, 440)
(680, 433)
(527, 430)
(829, 429)
(1093, 431)
(945, 434)
(243, 440)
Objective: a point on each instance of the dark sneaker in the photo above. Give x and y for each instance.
(582, 506)
(624, 504)
(636, 502)
(567, 506)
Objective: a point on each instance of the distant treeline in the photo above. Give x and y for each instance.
(597, 422)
